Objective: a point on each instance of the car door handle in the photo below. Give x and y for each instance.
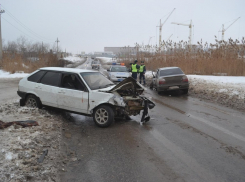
(61, 92)
(38, 87)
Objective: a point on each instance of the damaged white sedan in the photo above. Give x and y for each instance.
(84, 92)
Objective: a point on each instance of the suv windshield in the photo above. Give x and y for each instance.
(173, 71)
(96, 80)
(119, 69)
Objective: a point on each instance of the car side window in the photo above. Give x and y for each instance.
(72, 81)
(37, 76)
(51, 78)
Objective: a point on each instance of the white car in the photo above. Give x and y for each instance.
(118, 73)
(85, 92)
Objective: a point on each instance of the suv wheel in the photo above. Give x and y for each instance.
(103, 116)
(33, 101)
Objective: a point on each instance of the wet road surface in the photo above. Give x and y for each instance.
(186, 140)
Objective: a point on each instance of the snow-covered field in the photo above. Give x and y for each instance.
(73, 58)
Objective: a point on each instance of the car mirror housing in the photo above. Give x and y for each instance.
(108, 70)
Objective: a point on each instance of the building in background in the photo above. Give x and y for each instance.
(121, 51)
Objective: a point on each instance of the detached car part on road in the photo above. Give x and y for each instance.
(85, 92)
(170, 78)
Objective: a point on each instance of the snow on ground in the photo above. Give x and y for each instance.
(20, 148)
(226, 90)
(4, 74)
(73, 58)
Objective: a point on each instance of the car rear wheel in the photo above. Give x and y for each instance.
(185, 91)
(33, 101)
(103, 116)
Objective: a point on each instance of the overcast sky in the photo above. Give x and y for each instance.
(91, 25)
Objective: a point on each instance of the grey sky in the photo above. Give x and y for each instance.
(91, 25)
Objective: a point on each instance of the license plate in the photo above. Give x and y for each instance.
(173, 87)
(120, 80)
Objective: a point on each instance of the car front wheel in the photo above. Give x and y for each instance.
(103, 116)
(33, 101)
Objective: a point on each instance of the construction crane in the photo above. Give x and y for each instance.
(224, 29)
(160, 28)
(190, 27)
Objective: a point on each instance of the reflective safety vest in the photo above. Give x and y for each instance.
(141, 68)
(134, 69)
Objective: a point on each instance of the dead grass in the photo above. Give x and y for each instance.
(204, 59)
(16, 62)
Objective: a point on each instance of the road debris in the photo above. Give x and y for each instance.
(27, 123)
(41, 158)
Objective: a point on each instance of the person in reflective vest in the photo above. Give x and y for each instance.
(134, 69)
(142, 71)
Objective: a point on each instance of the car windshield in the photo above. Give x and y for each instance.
(172, 71)
(119, 69)
(96, 80)
(95, 62)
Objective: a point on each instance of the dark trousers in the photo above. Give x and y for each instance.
(142, 76)
(134, 75)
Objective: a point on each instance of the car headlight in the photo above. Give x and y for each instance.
(113, 76)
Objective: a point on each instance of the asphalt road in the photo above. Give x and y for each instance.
(8, 89)
(186, 140)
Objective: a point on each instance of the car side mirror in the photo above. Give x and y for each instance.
(108, 70)
(154, 76)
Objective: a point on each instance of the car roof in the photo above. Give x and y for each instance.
(117, 66)
(166, 68)
(74, 70)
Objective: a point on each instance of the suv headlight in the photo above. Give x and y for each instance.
(113, 76)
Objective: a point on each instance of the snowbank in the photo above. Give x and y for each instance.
(226, 90)
(4, 74)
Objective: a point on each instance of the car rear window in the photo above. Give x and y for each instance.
(51, 78)
(119, 69)
(36, 77)
(173, 71)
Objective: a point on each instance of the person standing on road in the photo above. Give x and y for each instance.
(142, 71)
(134, 69)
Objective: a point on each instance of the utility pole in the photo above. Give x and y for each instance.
(1, 46)
(57, 45)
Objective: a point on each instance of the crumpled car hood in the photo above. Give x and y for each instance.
(128, 83)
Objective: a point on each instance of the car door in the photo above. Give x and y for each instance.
(72, 93)
(47, 88)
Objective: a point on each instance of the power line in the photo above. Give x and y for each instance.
(28, 29)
